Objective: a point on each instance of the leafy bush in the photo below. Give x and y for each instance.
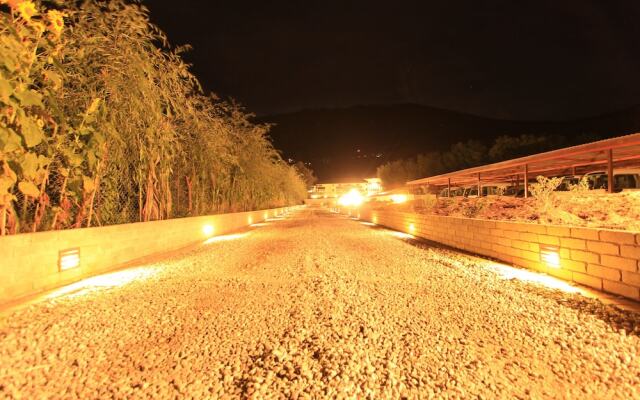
(99, 124)
(544, 192)
(582, 187)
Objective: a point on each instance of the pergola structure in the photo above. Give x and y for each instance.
(603, 155)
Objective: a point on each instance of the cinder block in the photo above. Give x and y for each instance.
(531, 255)
(510, 251)
(529, 237)
(586, 256)
(496, 232)
(603, 248)
(621, 289)
(550, 240)
(560, 273)
(500, 249)
(535, 228)
(631, 278)
(588, 280)
(617, 237)
(558, 231)
(511, 234)
(626, 264)
(630, 251)
(576, 266)
(611, 274)
(571, 243)
(519, 244)
(585, 233)
(506, 226)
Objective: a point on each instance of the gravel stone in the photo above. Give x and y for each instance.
(316, 305)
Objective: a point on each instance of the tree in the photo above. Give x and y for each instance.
(306, 174)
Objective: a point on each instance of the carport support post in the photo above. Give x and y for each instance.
(448, 187)
(479, 186)
(526, 180)
(610, 170)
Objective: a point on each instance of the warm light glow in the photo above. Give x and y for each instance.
(374, 219)
(249, 220)
(351, 199)
(259, 224)
(550, 256)
(508, 272)
(105, 281)
(367, 223)
(266, 215)
(412, 228)
(398, 198)
(224, 238)
(68, 259)
(207, 230)
(401, 235)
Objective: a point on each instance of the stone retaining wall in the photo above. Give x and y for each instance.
(607, 260)
(29, 262)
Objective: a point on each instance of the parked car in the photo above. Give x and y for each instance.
(567, 182)
(455, 192)
(623, 179)
(488, 189)
(517, 191)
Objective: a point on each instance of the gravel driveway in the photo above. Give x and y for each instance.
(315, 306)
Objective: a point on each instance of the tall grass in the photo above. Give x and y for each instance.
(102, 123)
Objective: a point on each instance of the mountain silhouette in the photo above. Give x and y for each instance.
(351, 142)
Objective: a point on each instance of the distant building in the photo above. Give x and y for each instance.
(333, 190)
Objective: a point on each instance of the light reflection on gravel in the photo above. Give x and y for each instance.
(318, 306)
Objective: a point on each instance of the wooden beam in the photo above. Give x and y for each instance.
(526, 180)
(610, 170)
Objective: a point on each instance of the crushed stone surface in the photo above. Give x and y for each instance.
(316, 305)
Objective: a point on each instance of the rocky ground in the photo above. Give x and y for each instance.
(316, 306)
(594, 209)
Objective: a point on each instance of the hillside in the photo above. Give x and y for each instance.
(330, 138)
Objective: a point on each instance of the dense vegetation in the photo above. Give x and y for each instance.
(102, 123)
(471, 154)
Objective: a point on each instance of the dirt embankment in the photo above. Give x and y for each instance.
(596, 210)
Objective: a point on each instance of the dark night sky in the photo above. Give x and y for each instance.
(501, 59)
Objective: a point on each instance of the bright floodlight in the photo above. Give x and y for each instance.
(398, 198)
(353, 198)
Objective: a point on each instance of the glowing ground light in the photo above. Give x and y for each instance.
(104, 281)
(69, 258)
(412, 228)
(250, 220)
(266, 215)
(225, 238)
(550, 256)
(207, 230)
(400, 235)
(508, 272)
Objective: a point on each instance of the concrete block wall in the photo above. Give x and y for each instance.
(29, 262)
(606, 260)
